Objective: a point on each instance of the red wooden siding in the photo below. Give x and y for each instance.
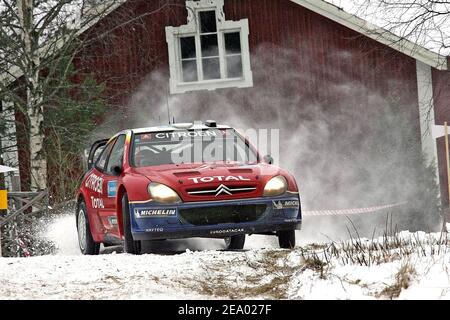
(135, 47)
(125, 56)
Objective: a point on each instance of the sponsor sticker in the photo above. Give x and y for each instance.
(226, 231)
(97, 203)
(218, 178)
(154, 230)
(184, 134)
(148, 213)
(286, 204)
(94, 183)
(112, 188)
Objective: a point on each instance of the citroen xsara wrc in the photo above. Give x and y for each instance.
(182, 181)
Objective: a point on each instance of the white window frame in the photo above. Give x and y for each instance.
(177, 85)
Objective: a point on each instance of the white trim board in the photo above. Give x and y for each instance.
(426, 113)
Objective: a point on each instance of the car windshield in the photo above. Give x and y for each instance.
(190, 146)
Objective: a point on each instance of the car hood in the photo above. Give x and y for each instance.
(218, 181)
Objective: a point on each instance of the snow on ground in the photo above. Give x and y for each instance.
(404, 266)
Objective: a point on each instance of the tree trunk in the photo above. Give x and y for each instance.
(38, 160)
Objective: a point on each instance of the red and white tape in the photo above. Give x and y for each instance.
(351, 211)
(24, 247)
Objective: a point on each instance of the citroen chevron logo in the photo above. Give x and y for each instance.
(222, 189)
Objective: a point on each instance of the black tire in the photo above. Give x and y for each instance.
(235, 242)
(286, 239)
(85, 240)
(129, 245)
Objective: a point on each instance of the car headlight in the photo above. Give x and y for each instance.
(162, 193)
(275, 186)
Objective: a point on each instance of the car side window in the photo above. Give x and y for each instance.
(97, 153)
(116, 157)
(101, 162)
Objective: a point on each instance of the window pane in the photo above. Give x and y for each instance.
(207, 21)
(233, 43)
(211, 68)
(187, 47)
(189, 70)
(97, 153)
(209, 45)
(234, 67)
(101, 162)
(116, 157)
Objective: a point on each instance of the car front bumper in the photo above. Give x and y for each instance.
(216, 219)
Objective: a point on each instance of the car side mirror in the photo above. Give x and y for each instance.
(268, 159)
(117, 170)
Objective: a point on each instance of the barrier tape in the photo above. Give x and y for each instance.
(351, 211)
(24, 247)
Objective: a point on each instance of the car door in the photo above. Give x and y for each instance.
(111, 175)
(95, 184)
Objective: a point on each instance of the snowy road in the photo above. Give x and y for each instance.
(408, 266)
(266, 273)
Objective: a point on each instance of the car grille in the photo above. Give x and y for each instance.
(223, 214)
(221, 190)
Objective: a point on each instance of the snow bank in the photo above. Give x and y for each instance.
(409, 266)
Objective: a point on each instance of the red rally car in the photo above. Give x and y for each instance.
(182, 181)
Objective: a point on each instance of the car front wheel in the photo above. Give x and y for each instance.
(85, 240)
(235, 242)
(130, 245)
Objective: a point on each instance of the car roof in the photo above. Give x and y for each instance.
(177, 127)
(172, 127)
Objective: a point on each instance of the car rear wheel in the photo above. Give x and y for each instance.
(85, 240)
(130, 245)
(286, 239)
(235, 242)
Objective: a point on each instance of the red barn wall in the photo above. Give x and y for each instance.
(121, 53)
(123, 57)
